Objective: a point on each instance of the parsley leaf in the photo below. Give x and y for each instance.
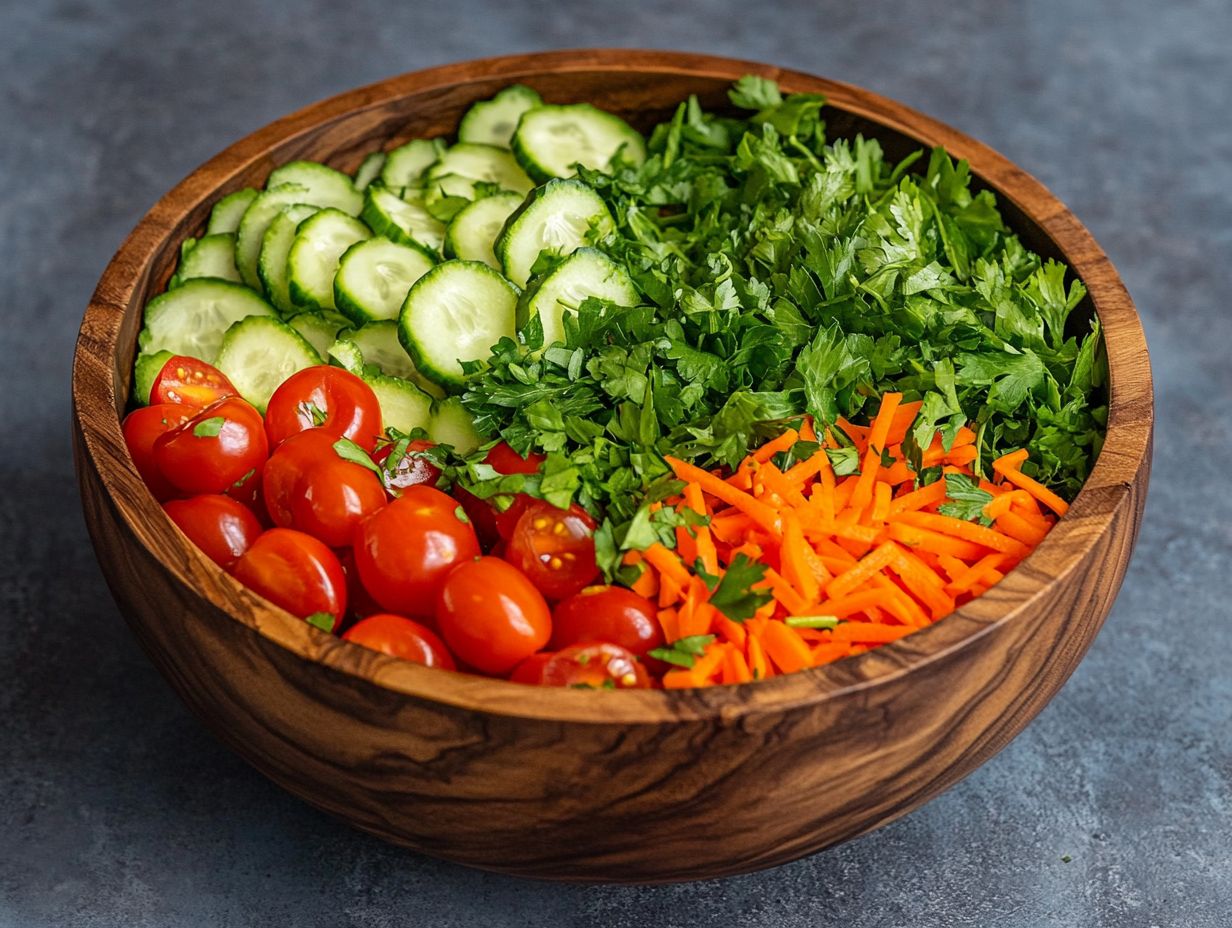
(209, 428)
(322, 620)
(965, 499)
(733, 596)
(349, 451)
(684, 651)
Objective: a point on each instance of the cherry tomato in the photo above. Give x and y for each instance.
(294, 571)
(359, 601)
(220, 446)
(404, 551)
(481, 514)
(221, 527)
(400, 637)
(411, 469)
(597, 664)
(190, 382)
(555, 548)
(607, 613)
(142, 427)
(328, 398)
(308, 487)
(504, 460)
(530, 671)
(491, 616)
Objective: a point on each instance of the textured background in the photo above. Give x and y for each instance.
(117, 809)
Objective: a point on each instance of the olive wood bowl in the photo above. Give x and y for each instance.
(634, 786)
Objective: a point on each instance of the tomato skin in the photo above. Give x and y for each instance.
(308, 487)
(530, 671)
(405, 550)
(555, 548)
(491, 616)
(142, 428)
(360, 603)
(191, 382)
(607, 613)
(348, 406)
(504, 460)
(597, 664)
(411, 470)
(401, 637)
(294, 571)
(220, 446)
(221, 527)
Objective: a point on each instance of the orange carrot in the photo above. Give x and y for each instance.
(862, 495)
(968, 531)
(1016, 526)
(760, 513)
(771, 448)
(786, 648)
(847, 581)
(794, 560)
(1034, 487)
(757, 658)
(918, 499)
(667, 563)
(792, 601)
(916, 537)
(965, 581)
(647, 583)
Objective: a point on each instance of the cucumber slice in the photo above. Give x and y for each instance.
(404, 406)
(586, 272)
(259, 353)
(405, 166)
(374, 277)
(211, 256)
(468, 163)
(227, 212)
(452, 425)
(346, 354)
(369, 170)
(456, 312)
(275, 247)
(491, 122)
(473, 231)
(312, 262)
(560, 217)
(551, 140)
(378, 344)
(266, 206)
(145, 369)
(320, 330)
(332, 188)
(192, 319)
(401, 221)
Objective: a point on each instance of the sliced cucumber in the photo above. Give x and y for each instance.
(491, 122)
(456, 312)
(374, 277)
(405, 166)
(269, 204)
(329, 187)
(468, 163)
(259, 353)
(346, 354)
(145, 370)
(378, 349)
(586, 272)
(551, 140)
(473, 231)
(320, 330)
(369, 170)
(404, 406)
(320, 242)
(211, 256)
(401, 221)
(275, 247)
(227, 212)
(452, 425)
(560, 217)
(192, 319)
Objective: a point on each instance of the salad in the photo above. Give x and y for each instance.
(569, 405)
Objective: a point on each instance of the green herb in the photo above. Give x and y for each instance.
(461, 516)
(965, 499)
(312, 412)
(733, 596)
(322, 620)
(684, 651)
(209, 428)
(812, 621)
(349, 451)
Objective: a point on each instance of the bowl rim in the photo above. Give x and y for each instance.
(1109, 488)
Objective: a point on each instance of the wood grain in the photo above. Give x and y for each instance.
(624, 786)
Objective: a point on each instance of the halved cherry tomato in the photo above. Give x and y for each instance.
(142, 427)
(555, 548)
(308, 487)
(328, 398)
(294, 571)
(607, 613)
(221, 445)
(504, 460)
(597, 664)
(404, 551)
(221, 527)
(401, 637)
(491, 616)
(410, 470)
(530, 671)
(191, 382)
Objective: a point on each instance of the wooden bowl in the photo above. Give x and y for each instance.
(567, 784)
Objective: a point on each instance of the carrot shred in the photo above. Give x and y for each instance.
(773, 447)
(760, 513)
(1032, 486)
(667, 563)
(915, 537)
(851, 578)
(646, 584)
(918, 499)
(786, 648)
(968, 531)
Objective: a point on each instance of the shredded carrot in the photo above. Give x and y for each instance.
(771, 448)
(918, 499)
(667, 563)
(760, 513)
(1034, 487)
(847, 581)
(646, 584)
(968, 531)
(786, 648)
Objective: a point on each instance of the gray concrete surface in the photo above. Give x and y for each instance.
(1112, 809)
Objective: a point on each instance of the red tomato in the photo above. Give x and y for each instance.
(142, 427)
(359, 600)
(607, 613)
(217, 448)
(191, 382)
(399, 637)
(481, 514)
(598, 665)
(328, 398)
(221, 527)
(294, 571)
(555, 548)
(530, 671)
(411, 469)
(504, 460)
(308, 487)
(491, 616)
(404, 551)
